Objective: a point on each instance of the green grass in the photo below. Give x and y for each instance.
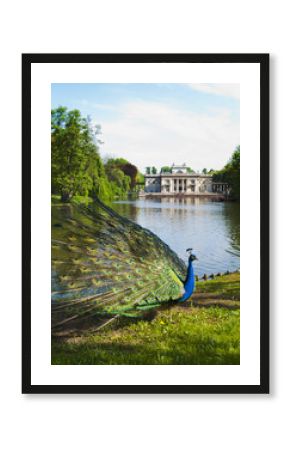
(204, 331)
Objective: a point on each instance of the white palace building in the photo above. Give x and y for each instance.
(179, 181)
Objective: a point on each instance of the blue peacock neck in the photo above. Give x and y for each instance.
(189, 268)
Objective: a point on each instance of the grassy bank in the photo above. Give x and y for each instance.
(205, 330)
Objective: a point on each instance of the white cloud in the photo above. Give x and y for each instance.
(225, 90)
(94, 105)
(148, 133)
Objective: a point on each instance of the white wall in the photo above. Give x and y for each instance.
(152, 422)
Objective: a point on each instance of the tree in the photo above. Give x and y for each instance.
(165, 169)
(76, 166)
(125, 166)
(204, 171)
(131, 171)
(231, 174)
(148, 170)
(140, 180)
(154, 170)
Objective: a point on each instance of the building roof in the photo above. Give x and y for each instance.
(181, 166)
(176, 175)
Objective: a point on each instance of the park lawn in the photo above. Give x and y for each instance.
(205, 330)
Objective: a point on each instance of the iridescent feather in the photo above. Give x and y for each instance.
(105, 266)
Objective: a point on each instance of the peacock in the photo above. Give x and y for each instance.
(189, 284)
(105, 267)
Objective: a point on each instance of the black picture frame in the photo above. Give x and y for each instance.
(27, 61)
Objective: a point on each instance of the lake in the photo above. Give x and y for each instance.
(210, 227)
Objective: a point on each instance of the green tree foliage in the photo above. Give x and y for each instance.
(231, 174)
(120, 183)
(77, 168)
(122, 175)
(204, 171)
(129, 169)
(165, 169)
(150, 170)
(140, 178)
(189, 170)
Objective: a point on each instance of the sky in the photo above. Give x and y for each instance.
(160, 124)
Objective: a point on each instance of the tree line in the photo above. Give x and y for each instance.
(76, 165)
(231, 174)
(78, 169)
(151, 170)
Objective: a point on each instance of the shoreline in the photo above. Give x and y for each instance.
(182, 195)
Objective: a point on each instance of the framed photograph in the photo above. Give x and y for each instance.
(145, 235)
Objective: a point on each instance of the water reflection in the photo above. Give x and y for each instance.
(126, 209)
(210, 227)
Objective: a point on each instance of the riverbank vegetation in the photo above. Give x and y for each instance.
(205, 330)
(231, 174)
(76, 165)
(77, 168)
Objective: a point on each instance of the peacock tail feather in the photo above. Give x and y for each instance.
(105, 266)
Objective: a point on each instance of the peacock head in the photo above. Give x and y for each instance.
(192, 257)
